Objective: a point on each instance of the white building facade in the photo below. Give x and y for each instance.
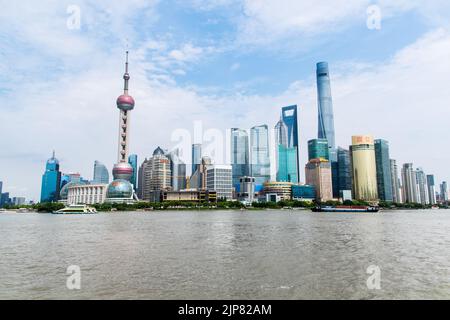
(219, 178)
(87, 194)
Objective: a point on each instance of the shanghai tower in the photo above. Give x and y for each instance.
(325, 106)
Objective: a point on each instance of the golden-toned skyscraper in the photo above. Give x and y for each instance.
(318, 174)
(364, 170)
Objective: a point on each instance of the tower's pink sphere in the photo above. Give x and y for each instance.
(125, 102)
(122, 170)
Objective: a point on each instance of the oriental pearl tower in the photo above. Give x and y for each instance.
(121, 190)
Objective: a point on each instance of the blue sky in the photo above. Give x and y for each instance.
(225, 63)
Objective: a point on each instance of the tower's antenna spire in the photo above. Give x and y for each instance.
(53, 154)
(126, 76)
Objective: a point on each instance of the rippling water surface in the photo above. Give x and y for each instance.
(226, 255)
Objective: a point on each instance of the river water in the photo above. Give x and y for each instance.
(284, 254)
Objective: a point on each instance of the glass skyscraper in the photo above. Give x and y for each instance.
(287, 170)
(287, 155)
(51, 180)
(101, 174)
(444, 192)
(422, 187)
(240, 158)
(384, 176)
(344, 171)
(409, 181)
(431, 189)
(178, 169)
(318, 149)
(325, 108)
(287, 135)
(396, 197)
(196, 157)
(259, 155)
(133, 161)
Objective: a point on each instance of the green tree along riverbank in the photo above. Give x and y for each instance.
(232, 205)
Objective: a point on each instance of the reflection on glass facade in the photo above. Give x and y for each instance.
(240, 158)
(120, 189)
(133, 161)
(51, 181)
(287, 170)
(260, 155)
(384, 176)
(196, 157)
(325, 108)
(289, 118)
(431, 189)
(101, 174)
(344, 170)
(178, 169)
(318, 149)
(304, 192)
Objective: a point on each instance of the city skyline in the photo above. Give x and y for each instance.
(365, 91)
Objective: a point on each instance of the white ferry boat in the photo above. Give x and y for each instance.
(76, 209)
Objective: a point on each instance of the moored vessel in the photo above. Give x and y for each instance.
(338, 209)
(76, 209)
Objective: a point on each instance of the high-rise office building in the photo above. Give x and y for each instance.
(198, 179)
(318, 174)
(133, 161)
(219, 179)
(396, 196)
(409, 182)
(51, 181)
(325, 108)
(431, 189)
(18, 201)
(1, 187)
(240, 157)
(364, 171)
(247, 189)
(259, 155)
(286, 157)
(196, 157)
(344, 173)
(287, 170)
(141, 178)
(444, 192)
(4, 199)
(178, 169)
(101, 174)
(318, 149)
(157, 176)
(120, 190)
(422, 188)
(383, 163)
(281, 133)
(290, 141)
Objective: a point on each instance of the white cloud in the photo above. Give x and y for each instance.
(269, 21)
(235, 66)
